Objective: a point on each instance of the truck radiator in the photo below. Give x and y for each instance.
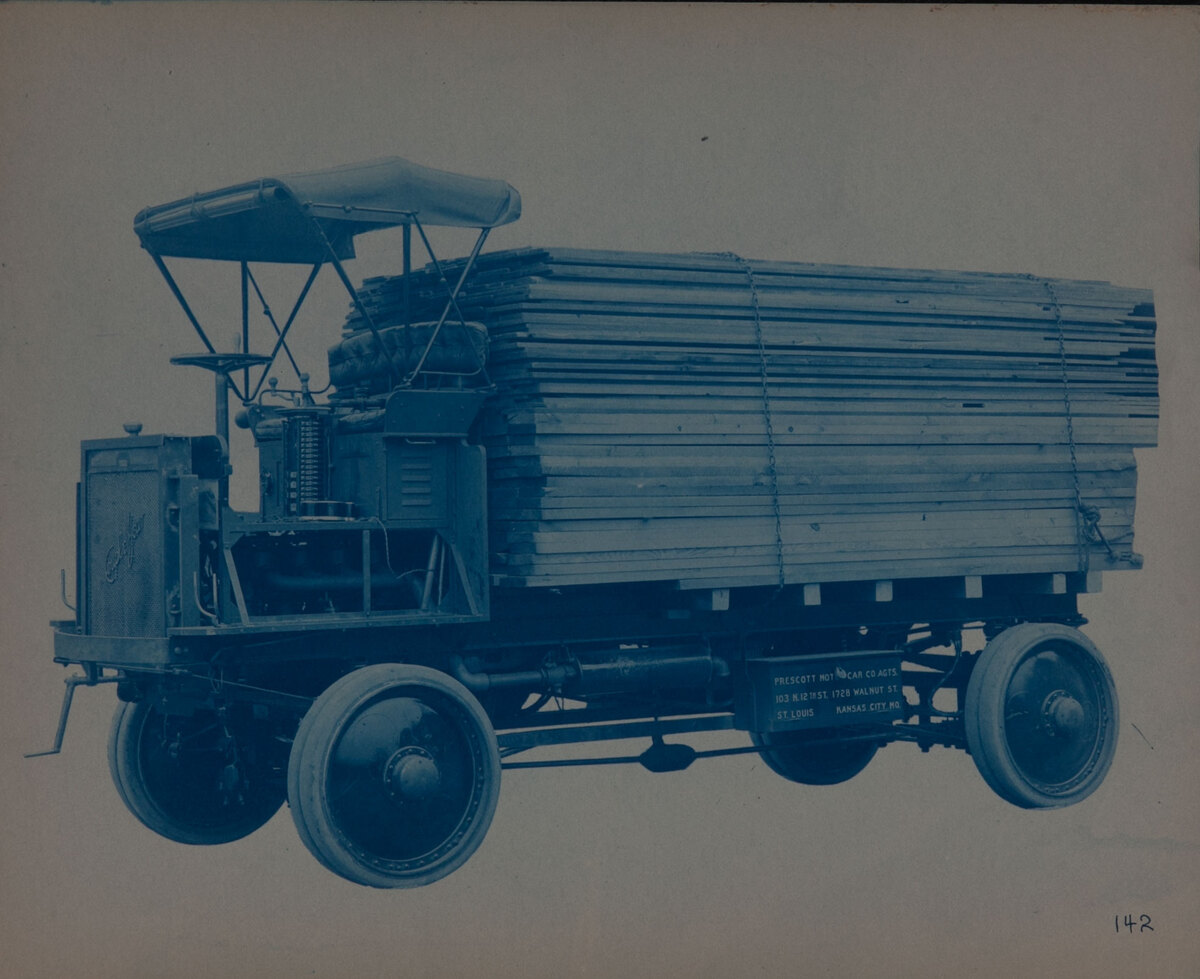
(124, 555)
(131, 512)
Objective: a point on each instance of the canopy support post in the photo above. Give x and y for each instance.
(452, 301)
(221, 408)
(281, 338)
(453, 293)
(162, 267)
(362, 310)
(245, 323)
(407, 274)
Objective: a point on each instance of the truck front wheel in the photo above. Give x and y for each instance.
(201, 778)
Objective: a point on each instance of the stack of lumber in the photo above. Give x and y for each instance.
(913, 423)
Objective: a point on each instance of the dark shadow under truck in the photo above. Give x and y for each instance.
(559, 496)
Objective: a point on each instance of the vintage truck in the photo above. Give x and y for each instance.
(553, 497)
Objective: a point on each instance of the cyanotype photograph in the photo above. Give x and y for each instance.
(599, 490)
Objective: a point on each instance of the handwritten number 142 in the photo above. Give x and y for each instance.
(1142, 923)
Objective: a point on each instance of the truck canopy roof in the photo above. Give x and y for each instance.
(291, 218)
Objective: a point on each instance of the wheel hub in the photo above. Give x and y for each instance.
(412, 774)
(1063, 714)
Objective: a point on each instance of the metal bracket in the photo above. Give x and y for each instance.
(62, 584)
(89, 679)
(236, 584)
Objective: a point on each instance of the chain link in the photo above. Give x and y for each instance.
(1087, 518)
(772, 468)
(1080, 538)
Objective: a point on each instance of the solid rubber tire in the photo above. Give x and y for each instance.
(985, 707)
(317, 740)
(128, 764)
(787, 754)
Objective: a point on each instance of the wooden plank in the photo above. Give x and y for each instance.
(1001, 562)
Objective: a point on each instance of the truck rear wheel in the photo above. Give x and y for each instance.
(799, 757)
(199, 778)
(1041, 715)
(394, 776)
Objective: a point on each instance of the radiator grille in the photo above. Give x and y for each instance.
(124, 554)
